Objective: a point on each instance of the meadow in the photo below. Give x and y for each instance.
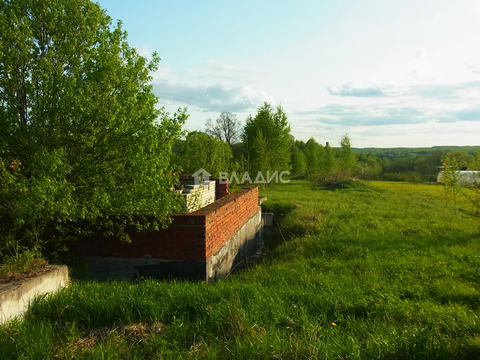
(374, 270)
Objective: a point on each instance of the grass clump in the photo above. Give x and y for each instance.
(387, 274)
(345, 183)
(21, 264)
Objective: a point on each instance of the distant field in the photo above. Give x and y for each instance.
(375, 271)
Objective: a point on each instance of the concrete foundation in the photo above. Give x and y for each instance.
(236, 251)
(233, 254)
(15, 297)
(119, 268)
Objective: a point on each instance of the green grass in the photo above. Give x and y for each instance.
(378, 271)
(22, 263)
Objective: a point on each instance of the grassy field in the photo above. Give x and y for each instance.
(376, 271)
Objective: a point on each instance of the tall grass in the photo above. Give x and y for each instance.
(376, 271)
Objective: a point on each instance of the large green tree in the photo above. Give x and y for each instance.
(267, 140)
(202, 151)
(81, 140)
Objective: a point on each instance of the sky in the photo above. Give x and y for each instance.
(388, 73)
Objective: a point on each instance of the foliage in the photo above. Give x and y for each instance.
(417, 164)
(22, 262)
(338, 180)
(329, 159)
(82, 146)
(267, 141)
(386, 272)
(476, 162)
(368, 166)
(202, 151)
(451, 178)
(227, 128)
(314, 157)
(347, 158)
(299, 162)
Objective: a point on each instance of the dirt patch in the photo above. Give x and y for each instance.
(135, 332)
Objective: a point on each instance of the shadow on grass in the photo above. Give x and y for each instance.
(277, 234)
(348, 184)
(424, 346)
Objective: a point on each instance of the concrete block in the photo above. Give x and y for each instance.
(15, 297)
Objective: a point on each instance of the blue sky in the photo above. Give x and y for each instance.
(388, 73)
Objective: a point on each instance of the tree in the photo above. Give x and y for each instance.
(476, 162)
(368, 166)
(463, 159)
(227, 128)
(451, 177)
(428, 164)
(267, 141)
(314, 156)
(202, 151)
(329, 160)
(79, 124)
(347, 159)
(260, 157)
(299, 163)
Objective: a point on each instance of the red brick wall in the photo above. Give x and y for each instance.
(223, 221)
(221, 188)
(193, 236)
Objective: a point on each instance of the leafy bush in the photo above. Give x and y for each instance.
(342, 180)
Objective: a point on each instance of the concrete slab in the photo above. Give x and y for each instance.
(15, 297)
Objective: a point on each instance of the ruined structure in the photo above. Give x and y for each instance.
(205, 244)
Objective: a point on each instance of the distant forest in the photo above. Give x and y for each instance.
(419, 164)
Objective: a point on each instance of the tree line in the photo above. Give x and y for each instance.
(264, 143)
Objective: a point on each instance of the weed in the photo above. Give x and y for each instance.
(21, 263)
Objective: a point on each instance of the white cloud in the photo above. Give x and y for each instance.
(215, 88)
(220, 66)
(409, 110)
(229, 73)
(454, 92)
(353, 89)
(144, 51)
(213, 97)
(369, 115)
(445, 91)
